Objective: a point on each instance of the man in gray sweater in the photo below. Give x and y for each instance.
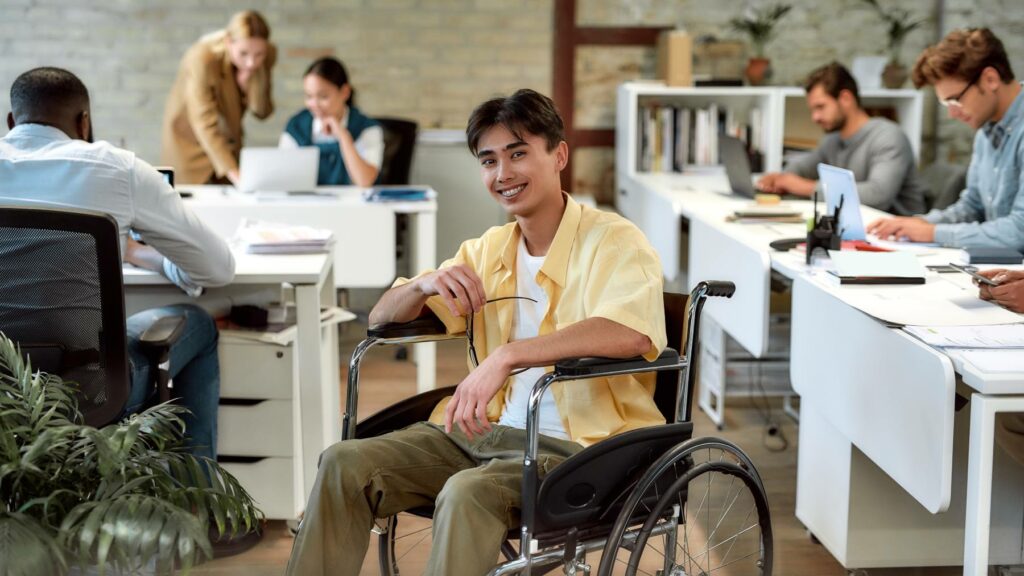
(875, 149)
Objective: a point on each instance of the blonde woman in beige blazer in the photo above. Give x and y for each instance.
(221, 76)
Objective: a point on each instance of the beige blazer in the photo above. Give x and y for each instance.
(202, 127)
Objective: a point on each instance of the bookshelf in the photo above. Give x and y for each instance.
(648, 113)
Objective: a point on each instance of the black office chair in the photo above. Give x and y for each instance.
(62, 301)
(399, 145)
(653, 500)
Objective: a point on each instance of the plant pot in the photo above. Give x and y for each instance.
(894, 75)
(758, 71)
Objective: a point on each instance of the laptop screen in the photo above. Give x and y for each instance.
(840, 185)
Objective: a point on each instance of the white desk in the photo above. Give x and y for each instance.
(882, 479)
(316, 401)
(364, 232)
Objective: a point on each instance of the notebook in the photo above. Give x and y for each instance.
(876, 267)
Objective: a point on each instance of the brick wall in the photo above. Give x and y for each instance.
(429, 60)
(433, 60)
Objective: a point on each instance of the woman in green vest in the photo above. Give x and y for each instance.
(351, 144)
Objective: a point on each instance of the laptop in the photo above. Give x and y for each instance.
(840, 185)
(279, 169)
(733, 154)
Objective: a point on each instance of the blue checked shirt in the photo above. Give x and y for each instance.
(990, 211)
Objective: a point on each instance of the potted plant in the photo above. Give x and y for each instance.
(121, 499)
(759, 25)
(899, 24)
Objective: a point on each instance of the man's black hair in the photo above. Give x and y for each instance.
(47, 94)
(525, 111)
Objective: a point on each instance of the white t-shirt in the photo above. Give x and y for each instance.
(526, 324)
(370, 143)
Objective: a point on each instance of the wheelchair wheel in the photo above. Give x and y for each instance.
(699, 510)
(403, 544)
(404, 541)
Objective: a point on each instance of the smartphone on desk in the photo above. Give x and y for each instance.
(972, 272)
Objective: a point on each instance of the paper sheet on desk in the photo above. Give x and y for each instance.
(999, 336)
(999, 361)
(937, 302)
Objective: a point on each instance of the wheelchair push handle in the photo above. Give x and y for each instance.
(716, 288)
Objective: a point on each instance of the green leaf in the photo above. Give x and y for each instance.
(27, 548)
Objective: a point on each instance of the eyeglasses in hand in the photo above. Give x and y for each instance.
(469, 331)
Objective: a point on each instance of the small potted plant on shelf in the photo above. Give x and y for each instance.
(125, 498)
(899, 24)
(759, 25)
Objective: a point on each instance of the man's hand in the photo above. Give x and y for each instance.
(467, 408)
(767, 182)
(909, 228)
(786, 182)
(1010, 292)
(459, 286)
(142, 256)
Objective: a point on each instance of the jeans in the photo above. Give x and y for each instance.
(194, 369)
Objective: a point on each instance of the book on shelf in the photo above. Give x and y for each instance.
(672, 137)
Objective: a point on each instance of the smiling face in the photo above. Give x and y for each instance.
(323, 98)
(521, 173)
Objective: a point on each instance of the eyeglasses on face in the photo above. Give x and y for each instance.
(954, 101)
(469, 331)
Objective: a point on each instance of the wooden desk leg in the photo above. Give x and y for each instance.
(424, 257)
(979, 478)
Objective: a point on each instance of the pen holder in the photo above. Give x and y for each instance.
(823, 235)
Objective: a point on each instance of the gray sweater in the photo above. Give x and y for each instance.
(880, 157)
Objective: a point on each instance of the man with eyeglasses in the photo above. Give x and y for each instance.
(972, 78)
(561, 281)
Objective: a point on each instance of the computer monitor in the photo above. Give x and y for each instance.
(839, 183)
(279, 169)
(733, 154)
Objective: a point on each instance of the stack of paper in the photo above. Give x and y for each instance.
(267, 238)
(996, 349)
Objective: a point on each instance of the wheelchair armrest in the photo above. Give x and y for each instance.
(424, 328)
(162, 334)
(591, 367)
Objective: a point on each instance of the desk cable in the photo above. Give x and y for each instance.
(772, 427)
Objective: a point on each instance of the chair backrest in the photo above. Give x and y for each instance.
(62, 301)
(944, 183)
(399, 144)
(676, 322)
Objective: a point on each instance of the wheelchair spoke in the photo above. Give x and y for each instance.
(745, 519)
(413, 547)
(722, 543)
(638, 570)
(734, 561)
(729, 507)
(403, 536)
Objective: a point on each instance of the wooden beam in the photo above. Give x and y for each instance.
(583, 138)
(564, 74)
(636, 36)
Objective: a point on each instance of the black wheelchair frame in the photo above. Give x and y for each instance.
(561, 521)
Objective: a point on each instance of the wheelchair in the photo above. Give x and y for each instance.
(653, 500)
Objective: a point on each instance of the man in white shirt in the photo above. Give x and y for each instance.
(49, 157)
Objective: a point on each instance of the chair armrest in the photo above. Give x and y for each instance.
(591, 367)
(422, 329)
(163, 333)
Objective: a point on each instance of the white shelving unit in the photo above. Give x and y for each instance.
(646, 197)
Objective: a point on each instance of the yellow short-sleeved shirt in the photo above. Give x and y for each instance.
(599, 265)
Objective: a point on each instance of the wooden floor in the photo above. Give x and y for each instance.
(386, 380)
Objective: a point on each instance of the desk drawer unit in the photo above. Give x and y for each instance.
(270, 481)
(260, 429)
(256, 370)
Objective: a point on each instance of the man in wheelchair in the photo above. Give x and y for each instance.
(561, 281)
